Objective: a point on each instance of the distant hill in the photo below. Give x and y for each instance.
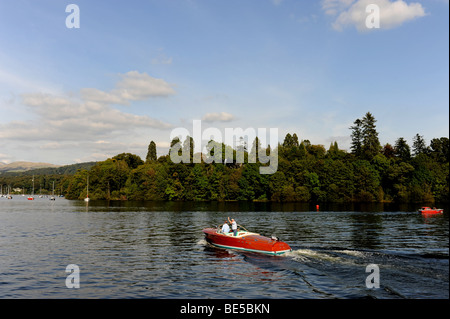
(24, 166)
(43, 169)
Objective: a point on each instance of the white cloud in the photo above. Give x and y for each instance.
(133, 86)
(61, 118)
(96, 95)
(62, 123)
(353, 13)
(218, 117)
(333, 7)
(140, 86)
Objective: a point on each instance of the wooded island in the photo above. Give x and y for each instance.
(306, 173)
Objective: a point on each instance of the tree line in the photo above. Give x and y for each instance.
(369, 172)
(44, 178)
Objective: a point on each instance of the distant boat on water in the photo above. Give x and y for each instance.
(87, 190)
(53, 192)
(31, 197)
(427, 210)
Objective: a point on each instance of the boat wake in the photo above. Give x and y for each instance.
(303, 255)
(347, 268)
(201, 243)
(338, 272)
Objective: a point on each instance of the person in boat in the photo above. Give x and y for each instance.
(233, 225)
(225, 228)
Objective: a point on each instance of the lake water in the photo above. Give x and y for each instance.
(157, 250)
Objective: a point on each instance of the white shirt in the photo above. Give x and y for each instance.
(233, 225)
(225, 228)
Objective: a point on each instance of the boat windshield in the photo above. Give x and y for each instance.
(242, 231)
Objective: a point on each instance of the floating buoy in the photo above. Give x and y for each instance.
(317, 207)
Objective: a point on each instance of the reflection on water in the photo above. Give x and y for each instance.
(157, 250)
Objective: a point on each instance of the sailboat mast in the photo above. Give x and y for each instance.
(53, 192)
(87, 189)
(31, 197)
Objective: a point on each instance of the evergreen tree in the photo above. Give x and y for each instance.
(295, 140)
(419, 146)
(151, 153)
(371, 145)
(402, 149)
(288, 141)
(356, 136)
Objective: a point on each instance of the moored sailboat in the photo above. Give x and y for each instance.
(53, 192)
(87, 190)
(31, 197)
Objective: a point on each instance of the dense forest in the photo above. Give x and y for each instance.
(368, 172)
(306, 173)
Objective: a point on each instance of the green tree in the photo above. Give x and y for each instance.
(357, 138)
(440, 149)
(288, 141)
(277, 182)
(151, 153)
(402, 150)
(419, 146)
(370, 143)
(366, 182)
(133, 161)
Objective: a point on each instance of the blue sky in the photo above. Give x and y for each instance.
(135, 70)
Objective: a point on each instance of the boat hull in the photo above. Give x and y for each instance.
(246, 241)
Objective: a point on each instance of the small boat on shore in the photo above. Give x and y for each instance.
(428, 210)
(246, 241)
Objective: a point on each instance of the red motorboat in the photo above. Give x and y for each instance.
(428, 210)
(247, 241)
